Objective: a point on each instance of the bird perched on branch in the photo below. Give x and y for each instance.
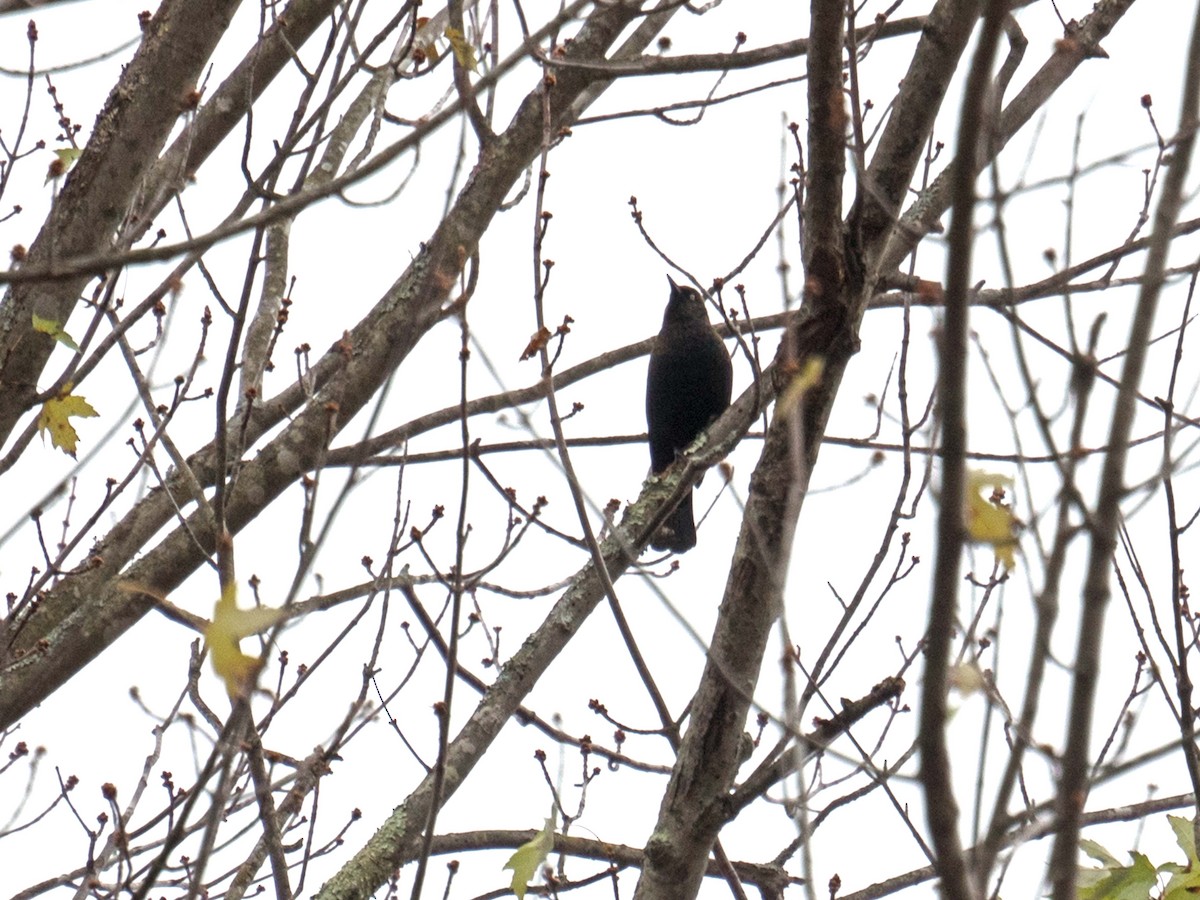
(688, 385)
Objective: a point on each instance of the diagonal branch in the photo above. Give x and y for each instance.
(677, 850)
(941, 807)
(398, 840)
(1081, 44)
(885, 183)
(87, 611)
(127, 137)
(1076, 761)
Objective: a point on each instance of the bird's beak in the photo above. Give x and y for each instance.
(674, 286)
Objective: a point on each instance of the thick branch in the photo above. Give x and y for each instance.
(1081, 44)
(943, 39)
(398, 840)
(93, 607)
(941, 807)
(1076, 761)
(230, 102)
(127, 137)
(711, 751)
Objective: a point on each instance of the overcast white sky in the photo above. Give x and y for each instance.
(707, 193)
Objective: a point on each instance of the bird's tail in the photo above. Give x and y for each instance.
(678, 533)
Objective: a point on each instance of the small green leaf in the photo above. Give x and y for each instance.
(1185, 836)
(529, 857)
(1097, 852)
(54, 329)
(1114, 881)
(1185, 880)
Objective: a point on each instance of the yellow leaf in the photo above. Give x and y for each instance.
(228, 627)
(989, 519)
(55, 418)
(529, 857)
(966, 678)
(426, 40)
(54, 329)
(63, 160)
(807, 379)
(463, 51)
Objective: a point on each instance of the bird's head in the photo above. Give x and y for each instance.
(685, 304)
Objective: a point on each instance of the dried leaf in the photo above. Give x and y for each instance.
(463, 51)
(536, 343)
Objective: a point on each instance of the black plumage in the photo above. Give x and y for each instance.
(688, 385)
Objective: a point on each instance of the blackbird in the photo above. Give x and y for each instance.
(688, 385)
